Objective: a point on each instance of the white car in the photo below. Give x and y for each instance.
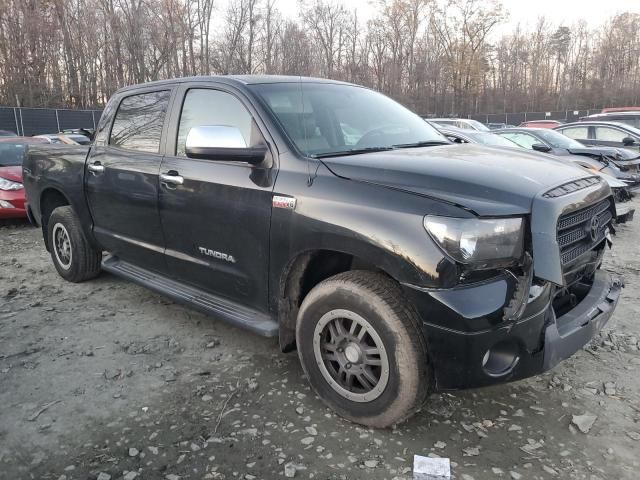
(462, 123)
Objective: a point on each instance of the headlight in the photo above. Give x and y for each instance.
(9, 185)
(481, 243)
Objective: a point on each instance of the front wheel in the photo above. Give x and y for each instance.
(73, 256)
(362, 348)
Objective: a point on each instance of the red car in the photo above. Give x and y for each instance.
(12, 194)
(541, 124)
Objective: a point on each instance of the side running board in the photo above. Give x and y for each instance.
(219, 307)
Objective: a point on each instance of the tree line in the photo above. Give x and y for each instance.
(435, 56)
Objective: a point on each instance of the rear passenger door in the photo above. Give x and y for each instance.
(122, 180)
(216, 219)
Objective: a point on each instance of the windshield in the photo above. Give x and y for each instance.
(322, 119)
(557, 140)
(492, 139)
(11, 154)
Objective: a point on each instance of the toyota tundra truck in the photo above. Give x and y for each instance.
(331, 217)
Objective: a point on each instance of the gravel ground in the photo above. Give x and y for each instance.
(108, 380)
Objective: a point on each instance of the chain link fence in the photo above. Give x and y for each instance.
(36, 121)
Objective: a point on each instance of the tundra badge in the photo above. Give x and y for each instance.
(215, 254)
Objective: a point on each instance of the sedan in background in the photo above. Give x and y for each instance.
(490, 139)
(498, 126)
(540, 124)
(621, 190)
(12, 193)
(58, 138)
(461, 123)
(618, 163)
(609, 134)
(630, 117)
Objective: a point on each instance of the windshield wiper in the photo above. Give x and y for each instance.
(425, 143)
(353, 151)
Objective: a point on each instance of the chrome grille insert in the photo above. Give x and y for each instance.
(580, 231)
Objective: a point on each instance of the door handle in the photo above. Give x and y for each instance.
(96, 167)
(172, 178)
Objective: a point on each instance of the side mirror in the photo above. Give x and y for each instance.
(541, 147)
(222, 143)
(628, 141)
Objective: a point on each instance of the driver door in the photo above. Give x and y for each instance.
(216, 219)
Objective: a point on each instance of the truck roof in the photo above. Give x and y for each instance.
(235, 80)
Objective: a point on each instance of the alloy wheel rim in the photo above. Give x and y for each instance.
(62, 246)
(351, 356)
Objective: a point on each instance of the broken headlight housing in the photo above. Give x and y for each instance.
(477, 242)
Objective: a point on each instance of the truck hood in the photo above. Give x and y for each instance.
(488, 181)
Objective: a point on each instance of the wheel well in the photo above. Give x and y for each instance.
(49, 201)
(305, 272)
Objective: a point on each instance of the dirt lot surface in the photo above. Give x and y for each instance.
(108, 380)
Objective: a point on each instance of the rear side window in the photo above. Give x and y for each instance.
(139, 120)
(607, 134)
(11, 154)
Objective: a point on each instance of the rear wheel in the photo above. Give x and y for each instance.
(73, 256)
(361, 346)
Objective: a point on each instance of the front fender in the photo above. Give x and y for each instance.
(380, 226)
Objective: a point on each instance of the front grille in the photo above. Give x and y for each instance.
(582, 230)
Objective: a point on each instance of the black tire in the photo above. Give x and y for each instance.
(84, 261)
(380, 301)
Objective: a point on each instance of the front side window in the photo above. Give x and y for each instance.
(326, 119)
(608, 134)
(138, 122)
(577, 133)
(208, 108)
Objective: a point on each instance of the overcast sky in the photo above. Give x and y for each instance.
(522, 11)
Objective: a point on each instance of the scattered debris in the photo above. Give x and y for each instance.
(42, 409)
(433, 467)
(584, 422)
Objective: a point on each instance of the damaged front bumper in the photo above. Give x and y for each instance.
(472, 342)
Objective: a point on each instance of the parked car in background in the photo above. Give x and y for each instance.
(498, 126)
(12, 192)
(608, 160)
(631, 118)
(57, 138)
(7, 133)
(540, 124)
(394, 262)
(85, 132)
(597, 133)
(620, 109)
(457, 135)
(621, 190)
(462, 123)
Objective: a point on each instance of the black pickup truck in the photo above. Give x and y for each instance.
(332, 217)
